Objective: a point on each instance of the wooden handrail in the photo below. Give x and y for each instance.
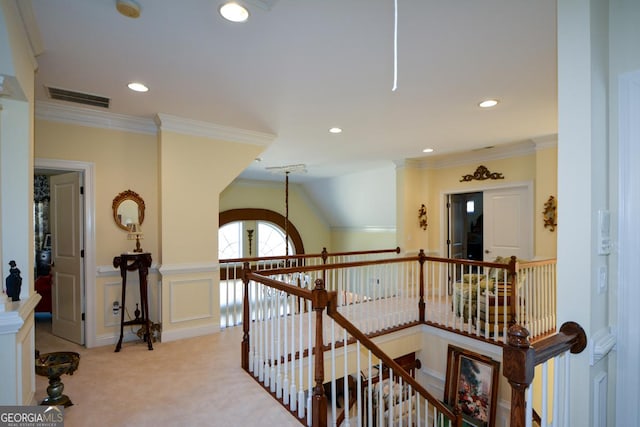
(305, 256)
(332, 311)
(291, 289)
(324, 267)
(373, 252)
(520, 359)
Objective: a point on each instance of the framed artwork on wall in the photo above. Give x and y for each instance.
(472, 386)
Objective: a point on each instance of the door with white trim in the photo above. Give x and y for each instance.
(66, 254)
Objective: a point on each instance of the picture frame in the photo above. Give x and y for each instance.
(471, 385)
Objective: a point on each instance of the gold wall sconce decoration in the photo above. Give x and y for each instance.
(549, 214)
(422, 217)
(481, 174)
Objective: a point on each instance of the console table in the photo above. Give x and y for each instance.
(133, 261)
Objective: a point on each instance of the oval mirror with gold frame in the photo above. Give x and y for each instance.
(128, 208)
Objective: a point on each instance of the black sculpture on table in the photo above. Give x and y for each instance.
(13, 282)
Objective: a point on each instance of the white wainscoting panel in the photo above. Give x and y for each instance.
(190, 299)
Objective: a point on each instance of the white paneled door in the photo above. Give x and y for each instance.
(66, 246)
(508, 223)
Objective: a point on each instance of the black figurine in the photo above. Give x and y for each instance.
(14, 282)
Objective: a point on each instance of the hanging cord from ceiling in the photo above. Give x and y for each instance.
(287, 170)
(395, 47)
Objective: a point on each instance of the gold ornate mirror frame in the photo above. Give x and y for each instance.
(125, 206)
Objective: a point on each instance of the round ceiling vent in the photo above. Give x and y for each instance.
(128, 8)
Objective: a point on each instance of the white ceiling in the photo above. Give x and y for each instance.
(302, 66)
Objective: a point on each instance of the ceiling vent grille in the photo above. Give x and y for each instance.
(78, 97)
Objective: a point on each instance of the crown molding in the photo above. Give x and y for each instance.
(468, 157)
(547, 141)
(408, 163)
(25, 8)
(167, 122)
(63, 113)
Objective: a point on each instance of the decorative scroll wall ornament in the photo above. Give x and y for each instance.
(422, 217)
(549, 214)
(481, 174)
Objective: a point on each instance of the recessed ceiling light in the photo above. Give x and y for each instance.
(138, 87)
(128, 8)
(335, 130)
(488, 103)
(234, 12)
(428, 150)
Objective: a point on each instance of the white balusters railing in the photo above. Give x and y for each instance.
(373, 297)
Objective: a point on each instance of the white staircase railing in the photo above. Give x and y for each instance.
(308, 333)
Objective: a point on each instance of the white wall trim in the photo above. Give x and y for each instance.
(112, 339)
(10, 322)
(13, 314)
(110, 270)
(89, 237)
(71, 114)
(181, 125)
(628, 315)
(182, 333)
(549, 141)
(188, 268)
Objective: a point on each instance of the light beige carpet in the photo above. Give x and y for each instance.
(192, 382)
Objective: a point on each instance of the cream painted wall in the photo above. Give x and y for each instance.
(303, 214)
(194, 171)
(123, 161)
(345, 240)
(546, 185)
(411, 193)
(429, 185)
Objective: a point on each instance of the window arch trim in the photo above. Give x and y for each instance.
(253, 214)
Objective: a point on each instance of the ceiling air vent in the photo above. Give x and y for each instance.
(78, 97)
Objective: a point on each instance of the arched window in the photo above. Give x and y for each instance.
(230, 241)
(255, 232)
(271, 240)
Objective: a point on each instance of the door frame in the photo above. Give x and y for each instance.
(89, 243)
(482, 188)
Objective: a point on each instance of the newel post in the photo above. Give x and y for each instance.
(421, 304)
(245, 317)
(319, 401)
(519, 363)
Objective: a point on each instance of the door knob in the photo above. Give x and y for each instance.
(487, 251)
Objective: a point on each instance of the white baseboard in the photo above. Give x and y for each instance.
(112, 339)
(182, 333)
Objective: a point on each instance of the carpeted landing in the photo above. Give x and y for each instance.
(191, 382)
